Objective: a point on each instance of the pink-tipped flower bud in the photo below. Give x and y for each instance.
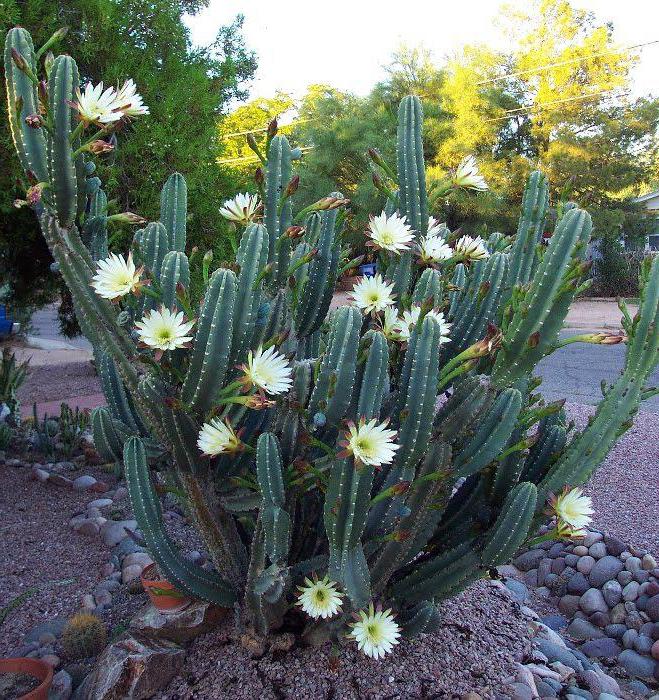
(99, 147)
(18, 59)
(34, 121)
(273, 127)
(294, 232)
(259, 177)
(33, 195)
(292, 186)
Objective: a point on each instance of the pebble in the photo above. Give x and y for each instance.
(648, 563)
(615, 631)
(639, 688)
(652, 608)
(624, 577)
(40, 474)
(62, 686)
(130, 572)
(598, 550)
(554, 652)
(580, 550)
(637, 665)
(655, 650)
(87, 527)
(51, 659)
(605, 569)
(585, 564)
(630, 591)
(592, 537)
(529, 560)
(555, 622)
(100, 503)
(614, 545)
(84, 483)
(582, 630)
(612, 592)
(618, 614)
(628, 638)
(632, 563)
(114, 532)
(643, 644)
(601, 648)
(578, 584)
(569, 604)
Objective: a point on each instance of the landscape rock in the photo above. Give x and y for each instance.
(593, 601)
(605, 569)
(652, 608)
(198, 618)
(136, 669)
(569, 604)
(601, 648)
(637, 665)
(114, 531)
(614, 545)
(578, 584)
(582, 630)
(529, 560)
(612, 592)
(597, 550)
(84, 483)
(585, 564)
(62, 686)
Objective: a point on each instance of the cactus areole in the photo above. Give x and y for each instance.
(362, 464)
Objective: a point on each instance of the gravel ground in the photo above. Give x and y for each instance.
(482, 636)
(51, 383)
(38, 550)
(625, 488)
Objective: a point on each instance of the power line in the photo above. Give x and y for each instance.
(531, 108)
(265, 128)
(565, 63)
(252, 159)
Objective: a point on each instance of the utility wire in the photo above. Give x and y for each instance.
(265, 128)
(252, 159)
(520, 110)
(567, 62)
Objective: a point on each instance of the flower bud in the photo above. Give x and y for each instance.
(18, 59)
(273, 128)
(376, 156)
(251, 142)
(99, 147)
(294, 232)
(43, 92)
(292, 186)
(33, 195)
(208, 257)
(48, 62)
(259, 177)
(127, 217)
(33, 121)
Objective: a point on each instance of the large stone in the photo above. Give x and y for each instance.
(115, 530)
(136, 669)
(83, 483)
(62, 686)
(652, 608)
(648, 562)
(593, 601)
(518, 590)
(578, 584)
(614, 545)
(612, 592)
(637, 665)
(630, 591)
(591, 538)
(582, 630)
(605, 569)
(180, 627)
(529, 560)
(569, 604)
(597, 550)
(585, 564)
(606, 648)
(555, 652)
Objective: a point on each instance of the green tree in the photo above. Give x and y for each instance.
(186, 89)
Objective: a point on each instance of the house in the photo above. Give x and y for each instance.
(651, 202)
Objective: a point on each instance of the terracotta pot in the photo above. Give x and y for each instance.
(42, 671)
(164, 596)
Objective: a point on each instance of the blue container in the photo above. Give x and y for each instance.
(367, 269)
(6, 322)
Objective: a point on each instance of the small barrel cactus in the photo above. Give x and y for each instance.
(83, 635)
(373, 460)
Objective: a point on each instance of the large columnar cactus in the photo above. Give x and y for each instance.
(390, 452)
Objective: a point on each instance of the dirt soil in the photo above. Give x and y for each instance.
(51, 383)
(40, 553)
(482, 635)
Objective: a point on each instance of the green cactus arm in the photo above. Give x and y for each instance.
(278, 214)
(175, 270)
(109, 435)
(458, 281)
(154, 245)
(119, 400)
(95, 231)
(411, 165)
(62, 84)
(374, 378)
(174, 210)
(318, 288)
(419, 619)
(23, 101)
(191, 579)
(492, 435)
(209, 360)
(98, 204)
(535, 204)
(549, 445)
(471, 398)
(428, 288)
(512, 526)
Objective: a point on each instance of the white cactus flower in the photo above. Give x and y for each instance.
(164, 329)
(242, 208)
(96, 105)
(469, 248)
(319, 598)
(390, 233)
(129, 101)
(435, 228)
(411, 317)
(375, 632)
(217, 437)
(116, 276)
(573, 511)
(468, 176)
(268, 370)
(444, 325)
(370, 443)
(393, 327)
(372, 294)
(434, 249)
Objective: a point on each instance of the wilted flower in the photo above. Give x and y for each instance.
(116, 276)
(375, 632)
(96, 105)
(242, 208)
(393, 327)
(468, 176)
(468, 248)
(268, 370)
(370, 443)
(34, 121)
(319, 598)
(217, 437)
(390, 233)
(572, 510)
(99, 147)
(129, 101)
(373, 294)
(164, 329)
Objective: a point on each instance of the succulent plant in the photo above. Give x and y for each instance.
(387, 455)
(83, 635)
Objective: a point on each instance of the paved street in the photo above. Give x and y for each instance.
(575, 372)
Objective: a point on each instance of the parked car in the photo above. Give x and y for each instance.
(7, 324)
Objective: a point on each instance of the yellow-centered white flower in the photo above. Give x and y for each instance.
(242, 208)
(97, 105)
(376, 632)
(217, 437)
(164, 329)
(411, 318)
(115, 276)
(393, 327)
(468, 248)
(319, 598)
(434, 249)
(268, 370)
(390, 233)
(129, 101)
(435, 228)
(468, 176)
(373, 294)
(370, 443)
(573, 509)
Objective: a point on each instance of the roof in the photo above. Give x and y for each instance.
(646, 197)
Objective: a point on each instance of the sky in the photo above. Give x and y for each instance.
(346, 43)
